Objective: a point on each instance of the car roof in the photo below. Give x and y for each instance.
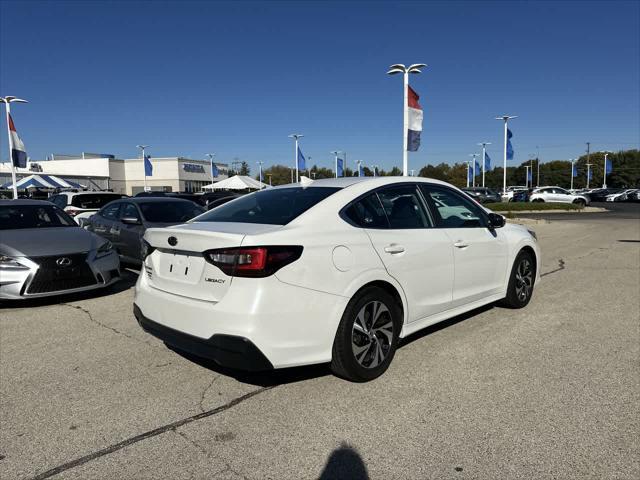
(344, 182)
(24, 201)
(89, 193)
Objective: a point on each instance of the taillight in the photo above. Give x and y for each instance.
(253, 261)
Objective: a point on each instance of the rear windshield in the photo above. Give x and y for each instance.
(33, 216)
(93, 200)
(169, 212)
(276, 206)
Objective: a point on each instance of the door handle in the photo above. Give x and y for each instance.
(394, 248)
(461, 244)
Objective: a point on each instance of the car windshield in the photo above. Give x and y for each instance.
(93, 200)
(169, 211)
(13, 217)
(276, 206)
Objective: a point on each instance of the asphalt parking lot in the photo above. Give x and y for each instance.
(550, 391)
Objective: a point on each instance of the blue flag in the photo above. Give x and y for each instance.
(590, 174)
(302, 163)
(609, 166)
(360, 170)
(148, 168)
(487, 162)
(509, 146)
(574, 171)
(529, 175)
(469, 174)
(478, 171)
(340, 172)
(214, 170)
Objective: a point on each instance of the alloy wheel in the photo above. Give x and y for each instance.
(524, 279)
(372, 334)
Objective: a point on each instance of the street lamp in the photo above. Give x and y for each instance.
(506, 119)
(604, 174)
(484, 158)
(260, 167)
(296, 136)
(336, 153)
(142, 147)
(7, 101)
(393, 70)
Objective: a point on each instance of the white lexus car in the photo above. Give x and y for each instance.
(335, 270)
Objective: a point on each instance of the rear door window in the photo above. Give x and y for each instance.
(367, 213)
(277, 206)
(110, 212)
(403, 207)
(93, 200)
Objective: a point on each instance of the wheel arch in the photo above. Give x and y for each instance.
(389, 285)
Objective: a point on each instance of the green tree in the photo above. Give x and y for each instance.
(244, 168)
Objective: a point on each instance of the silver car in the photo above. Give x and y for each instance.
(44, 252)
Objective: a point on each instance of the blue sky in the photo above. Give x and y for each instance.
(236, 78)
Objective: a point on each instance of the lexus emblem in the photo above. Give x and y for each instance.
(63, 262)
(173, 241)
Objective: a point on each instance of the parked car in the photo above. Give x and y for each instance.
(621, 196)
(508, 195)
(209, 197)
(483, 194)
(44, 252)
(81, 205)
(600, 194)
(558, 195)
(194, 197)
(222, 200)
(634, 196)
(520, 196)
(124, 222)
(256, 284)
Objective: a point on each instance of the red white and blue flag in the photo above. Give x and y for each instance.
(415, 121)
(18, 152)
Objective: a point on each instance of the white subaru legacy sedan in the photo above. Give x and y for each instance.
(334, 270)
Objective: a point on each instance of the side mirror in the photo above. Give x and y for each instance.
(496, 221)
(131, 221)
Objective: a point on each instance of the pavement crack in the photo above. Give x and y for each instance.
(560, 267)
(88, 313)
(149, 434)
(191, 441)
(204, 392)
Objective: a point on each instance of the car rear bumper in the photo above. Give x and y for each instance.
(228, 351)
(287, 324)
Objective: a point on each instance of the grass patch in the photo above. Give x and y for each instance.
(530, 206)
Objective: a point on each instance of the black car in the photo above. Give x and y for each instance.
(123, 222)
(222, 201)
(483, 194)
(520, 196)
(600, 195)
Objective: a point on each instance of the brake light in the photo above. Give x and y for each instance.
(253, 262)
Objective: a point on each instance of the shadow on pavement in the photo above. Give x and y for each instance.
(127, 280)
(344, 463)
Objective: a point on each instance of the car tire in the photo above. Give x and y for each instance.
(367, 336)
(521, 281)
(580, 201)
(537, 200)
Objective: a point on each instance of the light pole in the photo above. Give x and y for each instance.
(468, 169)
(260, 169)
(484, 158)
(604, 174)
(538, 165)
(142, 147)
(211, 155)
(336, 153)
(473, 179)
(375, 169)
(526, 178)
(400, 68)
(296, 136)
(506, 119)
(588, 173)
(8, 101)
(571, 160)
(358, 162)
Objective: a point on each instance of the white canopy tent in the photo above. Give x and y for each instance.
(237, 182)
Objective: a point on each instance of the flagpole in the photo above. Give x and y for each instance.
(13, 167)
(484, 158)
(571, 160)
(211, 155)
(588, 173)
(336, 153)
(526, 178)
(296, 136)
(144, 168)
(473, 180)
(468, 168)
(505, 118)
(604, 177)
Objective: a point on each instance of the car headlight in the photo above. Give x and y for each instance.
(145, 249)
(104, 249)
(533, 234)
(11, 263)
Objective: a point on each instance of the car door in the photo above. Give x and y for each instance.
(414, 253)
(480, 253)
(130, 234)
(102, 223)
(562, 195)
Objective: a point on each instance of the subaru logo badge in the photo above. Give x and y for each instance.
(63, 262)
(173, 241)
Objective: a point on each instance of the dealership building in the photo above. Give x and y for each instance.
(105, 172)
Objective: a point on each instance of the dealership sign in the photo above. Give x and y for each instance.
(193, 168)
